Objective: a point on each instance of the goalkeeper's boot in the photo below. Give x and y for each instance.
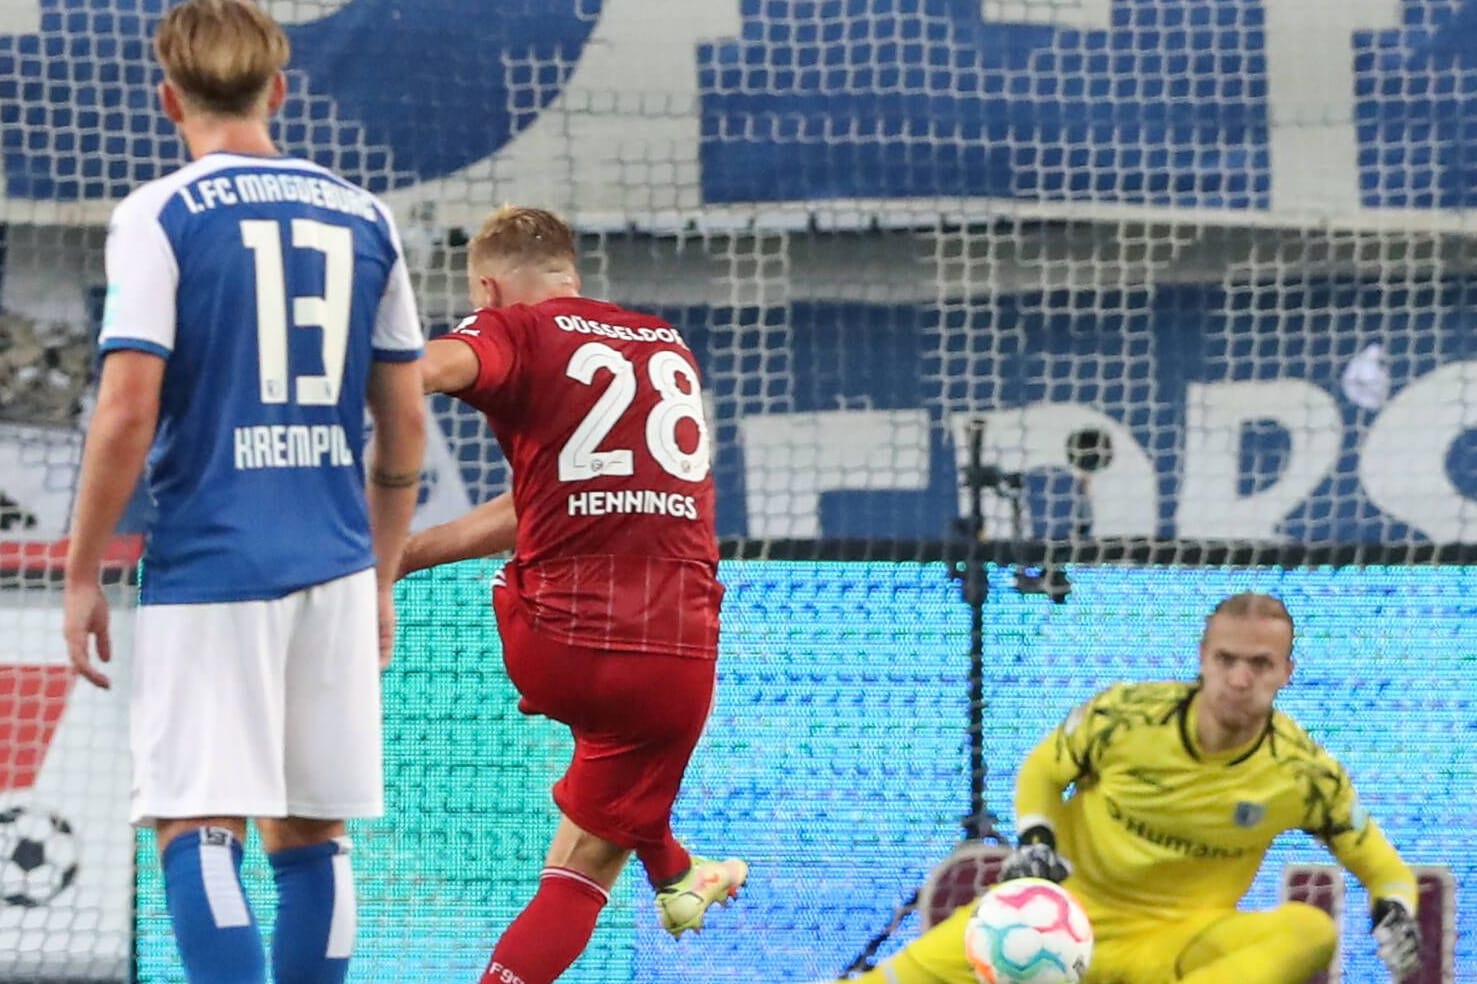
(682, 903)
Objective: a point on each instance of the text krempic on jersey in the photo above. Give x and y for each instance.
(292, 446)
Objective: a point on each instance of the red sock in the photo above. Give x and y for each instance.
(550, 932)
(666, 862)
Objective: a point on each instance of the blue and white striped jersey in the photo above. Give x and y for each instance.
(269, 285)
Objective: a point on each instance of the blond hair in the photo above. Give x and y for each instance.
(1250, 604)
(222, 54)
(525, 234)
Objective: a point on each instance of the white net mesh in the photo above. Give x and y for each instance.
(1185, 273)
(1201, 232)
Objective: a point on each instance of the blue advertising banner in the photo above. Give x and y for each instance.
(1251, 105)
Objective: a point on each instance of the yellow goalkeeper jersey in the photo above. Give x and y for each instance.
(1156, 828)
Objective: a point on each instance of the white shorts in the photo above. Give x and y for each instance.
(259, 708)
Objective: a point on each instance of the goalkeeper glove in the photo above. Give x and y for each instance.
(1035, 857)
(1398, 936)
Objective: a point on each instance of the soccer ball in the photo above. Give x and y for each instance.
(38, 857)
(1028, 931)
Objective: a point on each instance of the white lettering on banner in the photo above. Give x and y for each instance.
(1123, 496)
(1086, 15)
(20, 17)
(790, 459)
(296, 12)
(1312, 143)
(636, 48)
(1209, 504)
(1402, 465)
(292, 446)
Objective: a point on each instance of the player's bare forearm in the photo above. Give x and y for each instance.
(392, 495)
(490, 528)
(449, 366)
(399, 414)
(113, 457)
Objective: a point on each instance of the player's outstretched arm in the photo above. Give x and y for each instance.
(490, 528)
(1043, 776)
(1362, 847)
(1055, 763)
(113, 458)
(449, 366)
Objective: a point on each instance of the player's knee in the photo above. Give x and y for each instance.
(287, 833)
(1312, 927)
(586, 852)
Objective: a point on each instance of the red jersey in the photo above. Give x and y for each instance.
(599, 411)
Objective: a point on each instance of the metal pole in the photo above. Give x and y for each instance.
(976, 585)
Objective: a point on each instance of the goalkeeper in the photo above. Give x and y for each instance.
(1180, 789)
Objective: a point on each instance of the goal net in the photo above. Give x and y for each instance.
(1107, 306)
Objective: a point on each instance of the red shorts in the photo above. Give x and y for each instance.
(635, 718)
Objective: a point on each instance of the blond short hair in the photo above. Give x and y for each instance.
(525, 234)
(1250, 604)
(222, 54)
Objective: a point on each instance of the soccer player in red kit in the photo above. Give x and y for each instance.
(608, 610)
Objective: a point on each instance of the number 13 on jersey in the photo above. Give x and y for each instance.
(675, 381)
(330, 312)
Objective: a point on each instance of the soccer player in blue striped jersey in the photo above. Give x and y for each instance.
(257, 305)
